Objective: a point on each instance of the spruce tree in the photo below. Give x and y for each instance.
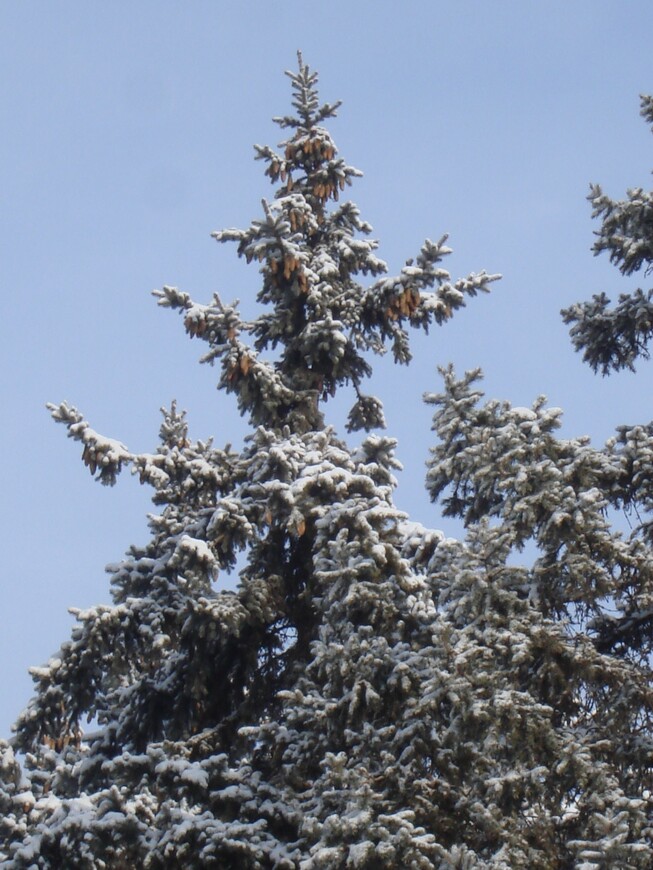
(372, 694)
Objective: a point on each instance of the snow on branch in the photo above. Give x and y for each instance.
(105, 456)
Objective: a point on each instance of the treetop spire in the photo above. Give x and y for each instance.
(318, 316)
(305, 99)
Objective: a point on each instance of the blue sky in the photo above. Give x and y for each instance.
(127, 138)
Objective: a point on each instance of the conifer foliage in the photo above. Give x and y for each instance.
(373, 694)
(612, 339)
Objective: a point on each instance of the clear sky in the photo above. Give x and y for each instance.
(127, 138)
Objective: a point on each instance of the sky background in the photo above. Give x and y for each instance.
(127, 138)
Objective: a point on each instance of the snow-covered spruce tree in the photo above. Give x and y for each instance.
(221, 719)
(373, 694)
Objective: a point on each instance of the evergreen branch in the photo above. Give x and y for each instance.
(102, 455)
(612, 339)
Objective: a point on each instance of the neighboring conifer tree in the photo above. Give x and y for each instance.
(373, 694)
(612, 339)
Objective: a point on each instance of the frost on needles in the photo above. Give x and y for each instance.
(373, 694)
